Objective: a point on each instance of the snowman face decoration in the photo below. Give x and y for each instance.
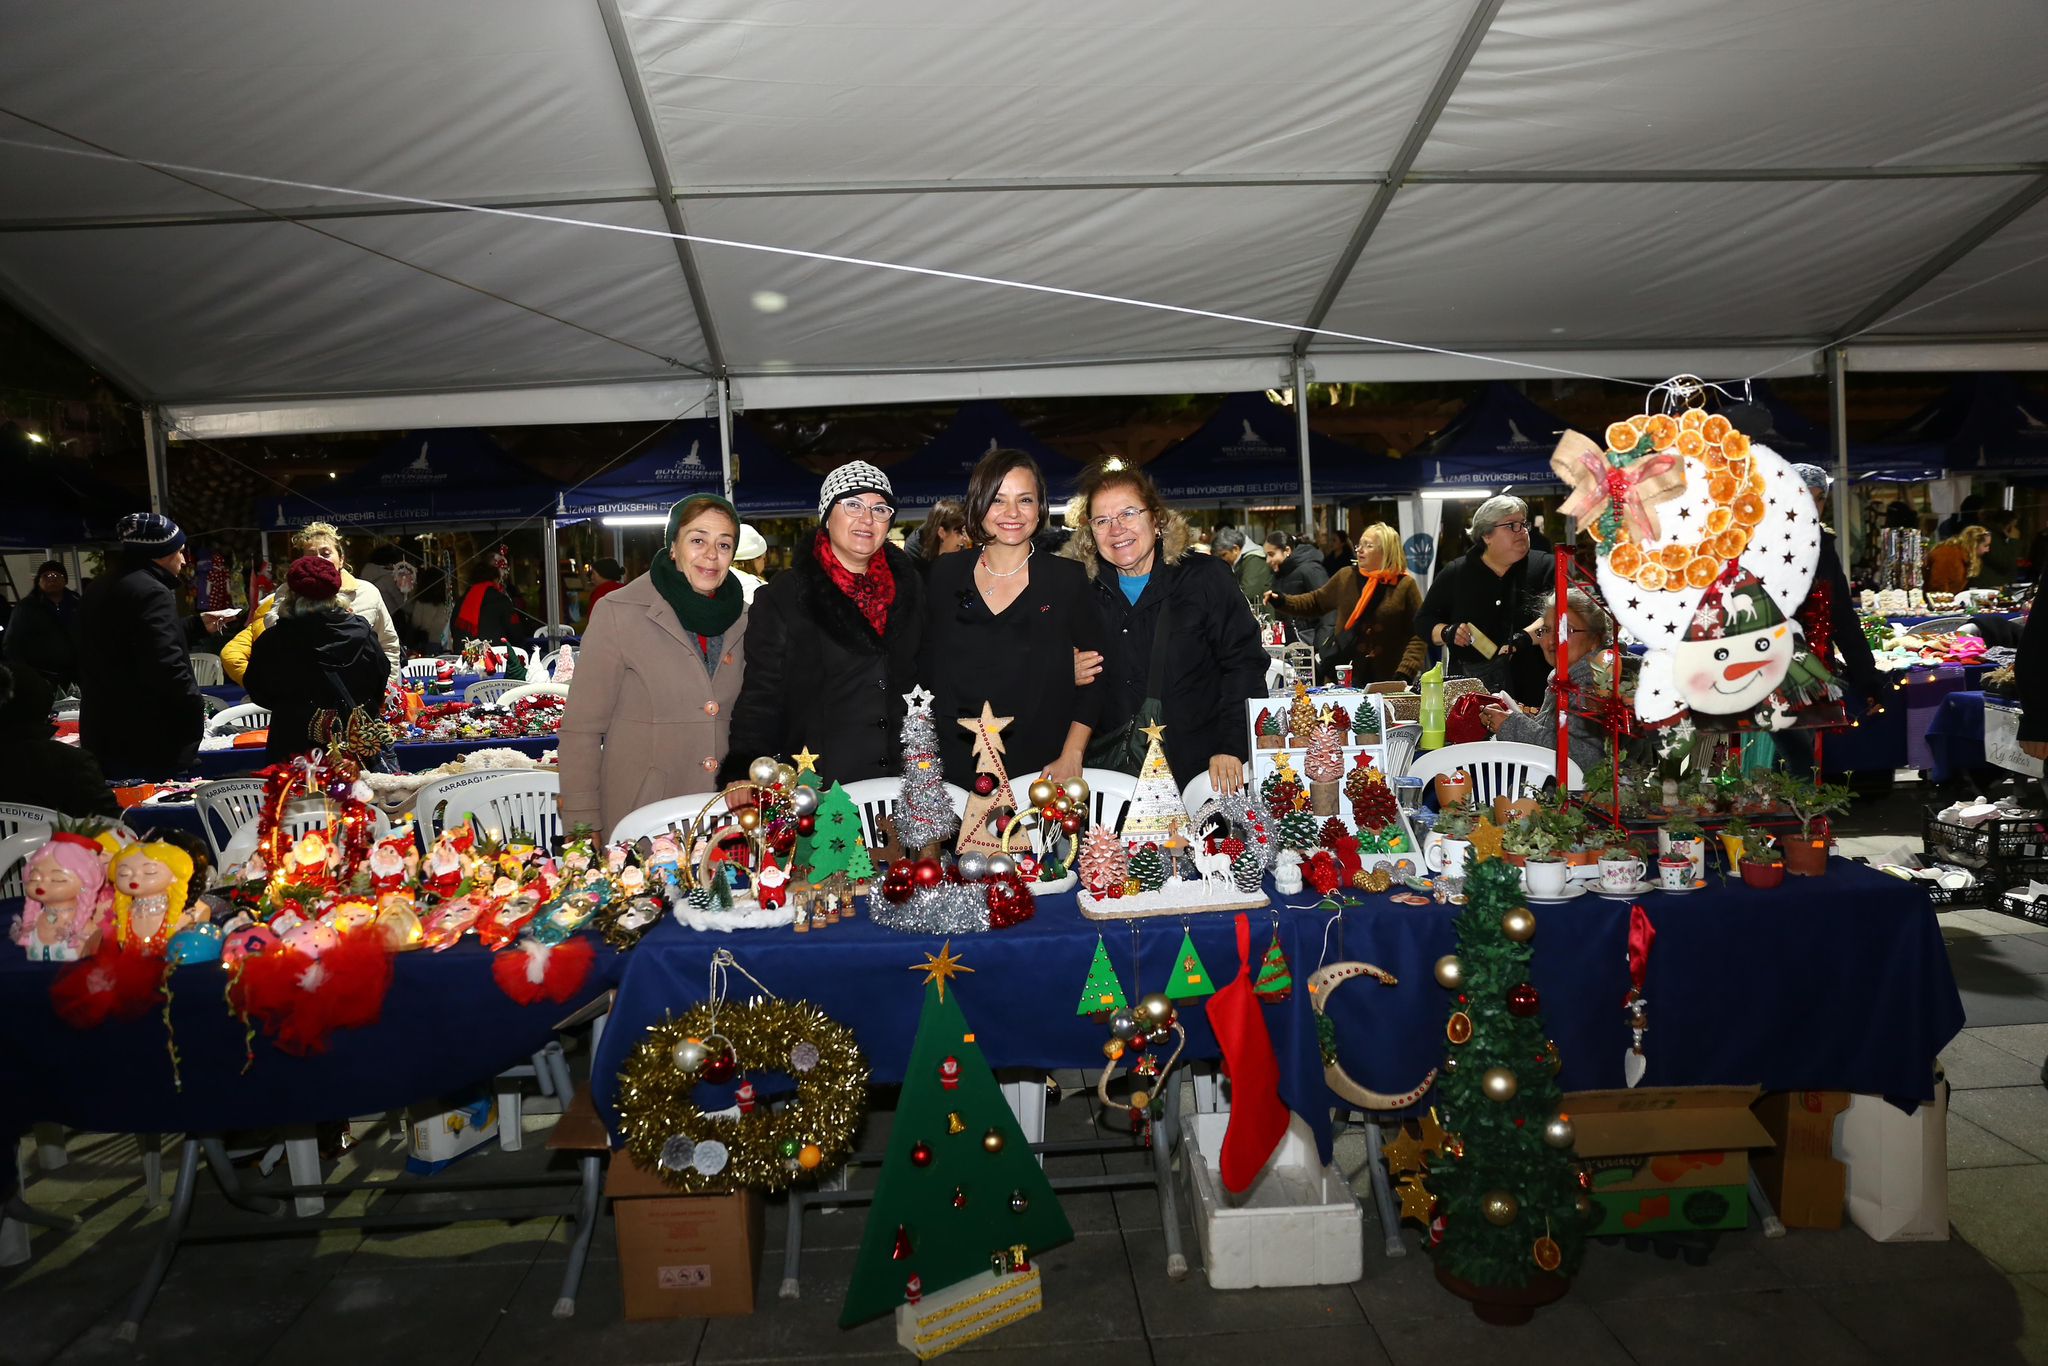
(1734, 673)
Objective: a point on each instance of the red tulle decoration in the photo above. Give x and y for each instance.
(541, 972)
(1009, 903)
(115, 983)
(301, 1000)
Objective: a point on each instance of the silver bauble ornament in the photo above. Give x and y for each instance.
(1155, 1010)
(1557, 1132)
(973, 866)
(1518, 924)
(1500, 1208)
(1500, 1084)
(1124, 1025)
(762, 770)
(804, 801)
(1450, 973)
(689, 1055)
(1001, 865)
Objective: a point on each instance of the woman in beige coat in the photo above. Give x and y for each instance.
(659, 670)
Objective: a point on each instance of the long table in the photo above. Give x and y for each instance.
(413, 756)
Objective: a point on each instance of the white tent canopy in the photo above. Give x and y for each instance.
(1623, 188)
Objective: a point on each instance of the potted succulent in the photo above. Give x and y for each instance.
(1538, 843)
(1450, 844)
(1762, 867)
(1682, 837)
(1810, 800)
(1732, 836)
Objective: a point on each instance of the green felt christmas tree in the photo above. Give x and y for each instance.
(952, 1195)
(1190, 980)
(1102, 995)
(835, 844)
(1148, 866)
(1276, 978)
(1512, 1204)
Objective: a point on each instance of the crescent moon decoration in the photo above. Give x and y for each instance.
(1321, 984)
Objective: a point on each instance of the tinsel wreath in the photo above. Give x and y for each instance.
(764, 1146)
(301, 1000)
(115, 983)
(532, 971)
(944, 908)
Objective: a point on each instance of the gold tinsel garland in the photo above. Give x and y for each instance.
(762, 1147)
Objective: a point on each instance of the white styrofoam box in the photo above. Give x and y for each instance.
(451, 1133)
(2002, 739)
(1898, 1167)
(1299, 1224)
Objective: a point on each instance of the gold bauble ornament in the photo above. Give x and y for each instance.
(992, 1141)
(1043, 791)
(785, 776)
(1584, 1204)
(749, 817)
(1500, 1085)
(1155, 1010)
(762, 770)
(1518, 924)
(689, 1055)
(1076, 790)
(1450, 973)
(1557, 1132)
(1500, 1208)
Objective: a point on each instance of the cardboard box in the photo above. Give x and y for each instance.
(683, 1256)
(448, 1134)
(1804, 1182)
(1898, 1167)
(1667, 1159)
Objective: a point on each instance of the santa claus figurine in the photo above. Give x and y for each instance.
(772, 883)
(393, 863)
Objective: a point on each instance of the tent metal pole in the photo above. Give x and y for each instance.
(724, 435)
(551, 577)
(1308, 497)
(619, 545)
(153, 454)
(1838, 415)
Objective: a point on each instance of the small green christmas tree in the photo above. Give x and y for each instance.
(1102, 994)
(1512, 1204)
(947, 1202)
(1148, 866)
(1275, 981)
(835, 845)
(1297, 831)
(1190, 981)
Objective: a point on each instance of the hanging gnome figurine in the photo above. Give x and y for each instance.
(1743, 666)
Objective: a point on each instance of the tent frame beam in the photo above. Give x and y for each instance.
(1750, 175)
(1454, 68)
(319, 212)
(635, 85)
(1934, 266)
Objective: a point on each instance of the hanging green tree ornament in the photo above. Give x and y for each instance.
(1190, 980)
(1103, 995)
(1510, 1197)
(1275, 982)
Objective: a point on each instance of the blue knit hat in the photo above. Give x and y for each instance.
(150, 532)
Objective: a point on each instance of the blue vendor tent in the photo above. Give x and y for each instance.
(1248, 449)
(1499, 438)
(683, 461)
(1984, 424)
(940, 468)
(443, 477)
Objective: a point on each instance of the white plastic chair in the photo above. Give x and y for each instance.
(656, 817)
(1499, 768)
(489, 689)
(214, 705)
(422, 668)
(521, 799)
(1109, 794)
(1402, 740)
(67, 711)
(511, 695)
(225, 806)
(242, 717)
(207, 671)
(21, 819)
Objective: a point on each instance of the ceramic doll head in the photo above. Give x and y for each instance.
(65, 882)
(142, 873)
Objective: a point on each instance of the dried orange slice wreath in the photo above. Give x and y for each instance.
(1734, 487)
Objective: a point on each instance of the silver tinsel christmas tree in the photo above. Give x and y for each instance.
(924, 813)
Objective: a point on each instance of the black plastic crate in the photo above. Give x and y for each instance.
(2012, 903)
(1942, 898)
(1999, 840)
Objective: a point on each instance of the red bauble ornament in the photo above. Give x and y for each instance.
(784, 840)
(921, 1154)
(1523, 1001)
(928, 872)
(984, 784)
(719, 1069)
(1009, 904)
(1071, 823)
(898, 883)
(807, 825)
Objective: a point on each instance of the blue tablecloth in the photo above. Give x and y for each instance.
(1847, 991)
(1955, 737)
(445, 1026)
(412, 758)
(1898, 737)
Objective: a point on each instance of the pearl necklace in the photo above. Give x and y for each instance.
(983, 564)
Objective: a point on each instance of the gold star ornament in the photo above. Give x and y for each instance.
(1415, 1199)
(1486, 839)
(941, 968)
(806, 762)
(1155, 730)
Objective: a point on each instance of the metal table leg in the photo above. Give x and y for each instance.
(586, 1225)
(1165, 1139)
(230, 1184)
(793, 1247)
(152, 1146)
(174, 1229)
(1382, 1192)
(1773, 1226)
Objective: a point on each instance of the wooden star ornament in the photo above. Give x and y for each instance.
(1486, 839)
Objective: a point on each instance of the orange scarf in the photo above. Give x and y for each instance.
(1372, 583)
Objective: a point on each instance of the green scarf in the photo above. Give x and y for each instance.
(700, 615)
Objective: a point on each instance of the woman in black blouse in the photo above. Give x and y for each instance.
(1002, 628)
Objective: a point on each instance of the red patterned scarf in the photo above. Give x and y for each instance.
(872, 591)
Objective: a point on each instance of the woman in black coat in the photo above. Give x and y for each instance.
(1135, 548)
(318, 656)
(1297, 572)
(1001, 626)
(832, 642)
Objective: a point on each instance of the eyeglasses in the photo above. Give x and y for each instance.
(1512, 528)
(1128, 517)
(873, 512)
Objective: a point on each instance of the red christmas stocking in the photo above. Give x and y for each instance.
(1258, 1119)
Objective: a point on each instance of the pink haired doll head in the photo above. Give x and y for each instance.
(66, 884)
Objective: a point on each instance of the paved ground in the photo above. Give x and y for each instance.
(482, 1292)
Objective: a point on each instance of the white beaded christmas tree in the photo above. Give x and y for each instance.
(1156, 807)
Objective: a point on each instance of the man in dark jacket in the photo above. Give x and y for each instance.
(1493, 591)
(318, 656)
(41, 632)
(821, 674)
(39, 770)
(140, 712)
